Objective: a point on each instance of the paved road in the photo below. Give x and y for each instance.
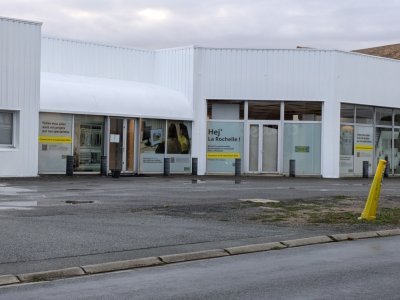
(364, 269)
(145, 216)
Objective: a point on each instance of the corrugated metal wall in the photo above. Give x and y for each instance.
(19, 91)
(174, 69)
(368, 80)
(171, 68)
(264, 74)
(90, 59)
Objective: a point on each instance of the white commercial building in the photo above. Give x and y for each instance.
(328, 110)
(19, 96)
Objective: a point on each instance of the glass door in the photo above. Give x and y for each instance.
(130, 145)
(122, 145)
(116, 143)
(263, 148)
(269, 160)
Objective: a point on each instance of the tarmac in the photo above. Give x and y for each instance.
(74, 226)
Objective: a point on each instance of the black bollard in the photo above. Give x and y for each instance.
(69, 170)
(115, 173)
(167, 166)
(292, 168)
(194, 166)
(238, 169)
(103, 165)
(365, 169)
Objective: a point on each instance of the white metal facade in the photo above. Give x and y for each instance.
(199, 74)
(296, 75)
(19, 93)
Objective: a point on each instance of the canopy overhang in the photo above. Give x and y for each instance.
(65, 93)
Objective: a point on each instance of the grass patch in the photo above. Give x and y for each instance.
(388, 216)
(384, 216)
(340, 197)
(334, 217)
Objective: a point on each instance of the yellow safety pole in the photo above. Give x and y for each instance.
(371, 206)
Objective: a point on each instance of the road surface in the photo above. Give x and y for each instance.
(363, 269)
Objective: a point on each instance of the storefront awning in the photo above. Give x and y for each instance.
(64, 93)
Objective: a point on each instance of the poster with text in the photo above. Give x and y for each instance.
(55, 141)
(363, 148)
(224, 145)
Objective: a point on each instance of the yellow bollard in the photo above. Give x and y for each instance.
(369, 212)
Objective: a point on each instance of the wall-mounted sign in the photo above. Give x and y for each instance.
(302, 149)
(114, 138)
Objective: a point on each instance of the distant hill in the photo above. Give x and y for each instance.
(390, 51)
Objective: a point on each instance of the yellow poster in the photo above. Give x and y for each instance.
(223, 155)
(55, 139)
(361, 147)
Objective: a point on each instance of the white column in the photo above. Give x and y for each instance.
(330, 140)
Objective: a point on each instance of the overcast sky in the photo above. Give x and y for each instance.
(327, 24)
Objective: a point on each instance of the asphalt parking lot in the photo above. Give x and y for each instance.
(57, 221)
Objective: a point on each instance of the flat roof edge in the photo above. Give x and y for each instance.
(21, 21)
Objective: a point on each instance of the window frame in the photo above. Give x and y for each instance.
(13, 129)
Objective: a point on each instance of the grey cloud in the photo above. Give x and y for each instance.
(340, 24)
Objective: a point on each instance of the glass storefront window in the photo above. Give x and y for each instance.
(396, 151)
(152, 146)
(224, 144)
(363, 148)
(225, 110)
(347, 113)
(346, 149)
(303, 111)
(302, 142)
(55, 142)
(179, 141)
(264, 110)
(88, 143)
(383, 145)
(397, 117)
(384, 116)
(364, 114)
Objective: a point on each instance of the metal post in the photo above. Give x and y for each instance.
(238, 167)
(365, 169)
(292, 168)
(115, 173)
(167, 166)
(194, 166)
(103, 165)
(69, 170)
(238, 170)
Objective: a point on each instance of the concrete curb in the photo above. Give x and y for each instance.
(8, 279)
(51, 275)
(189, 256)
(390, 232)
(308, 241)
(354, 236)
(255, 248)
(122, 265)
(181, 257)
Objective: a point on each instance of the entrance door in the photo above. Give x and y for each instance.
(122, 145)
(263, 148)
(116, 148)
